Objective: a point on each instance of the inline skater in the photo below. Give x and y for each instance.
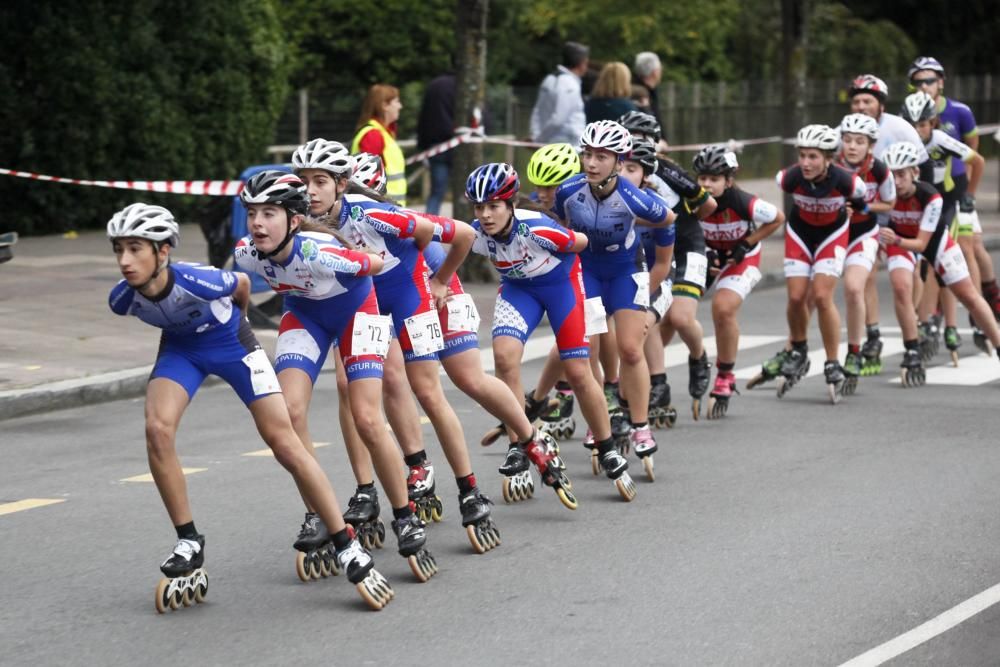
(916, 227)
(815, 250)
(733, 232)
(858, 135)
(539, 274)
(407, 293)
(200, 311)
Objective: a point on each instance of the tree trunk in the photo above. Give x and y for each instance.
(793, 80)
(470, 93)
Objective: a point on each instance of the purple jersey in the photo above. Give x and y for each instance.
(957, 121)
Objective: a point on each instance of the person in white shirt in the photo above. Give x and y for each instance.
(558, 115)
(868, 95)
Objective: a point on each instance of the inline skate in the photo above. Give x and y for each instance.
(645, 446)
(871, 356)
(793, 369)
(420, 488)
(912, 372)
(517, 481)
(482, 531)
(362, 514)
(699, 375)
(769, 370)
(410, 539)
(315, 557)
(927, 342)
(185, 581)
(952, 341)
(661, 413)
(851, 369)
(722, 391)
(551, 469)
(533, 410)
(357, 563)
(559, 423)
(835, 380)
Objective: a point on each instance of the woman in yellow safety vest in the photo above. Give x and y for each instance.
(377, 134)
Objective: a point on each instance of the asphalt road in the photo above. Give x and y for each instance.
(792, 532)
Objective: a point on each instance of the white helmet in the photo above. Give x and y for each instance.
(823, 137)
(331, 156)
(144, 221)
(859, 123)
(918, 106)
(609, 135)
(902, 154)
(368, 172)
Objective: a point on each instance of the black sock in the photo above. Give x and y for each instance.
(415, 459)
(563, 386)
(725, 367)
(605, 446)
(658, 378)
(637, 425)
(872, 331)
(911, 344)
(341, 539)
(366, 488)
(187, 531)
(466, 484)
(801, 345)
(401, 512)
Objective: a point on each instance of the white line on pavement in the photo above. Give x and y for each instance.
(929, 630)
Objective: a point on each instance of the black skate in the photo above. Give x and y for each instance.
(769, 370)
(912, 373)
(835, 380)
(928, 344)
(952, 341)
(699, 374)
(621, 430)
(517, 481)
(559, 423)
(722, 392)
(362, 515)
(852, 369)
(793, 369)
(475, 508)
(871, 357)
(661, 413)
(314, 559)
(551, 469)
(357, 563)
(533, 410)
(616, 468)
(979, 340)
(186, 581)
(410, 537)
(420, 488)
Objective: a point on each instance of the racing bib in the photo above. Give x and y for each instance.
(425, 333)
(371, 334)
(595, 317)
(262, 377)
(696, 269)
(462, 313)
(642, 289)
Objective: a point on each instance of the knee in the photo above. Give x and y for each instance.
(631, 353)
(577, 375)
(159, 436)
(506, 367)
(367, 424)
(854, 292)
(468, 383)
(298, 412)
(823, 299)
(428, 393)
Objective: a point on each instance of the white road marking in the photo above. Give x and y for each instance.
(971, 372)
(932, 628)
(817, 358)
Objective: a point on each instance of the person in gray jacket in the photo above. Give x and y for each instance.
(558, 116)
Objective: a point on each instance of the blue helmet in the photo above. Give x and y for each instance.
(492, 182)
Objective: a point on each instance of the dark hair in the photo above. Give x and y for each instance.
(574, 53)
(529, 205)
(358, 189)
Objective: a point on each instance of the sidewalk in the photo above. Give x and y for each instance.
(60, 345)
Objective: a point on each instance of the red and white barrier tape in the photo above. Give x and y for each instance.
(214, 188)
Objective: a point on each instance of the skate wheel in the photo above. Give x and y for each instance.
(781, 386)
(379, 538)
(626, 487)
(474, 538)
(302, 568)
(201, 590)
(436, 511)
(710, 408)
(595, 463)
(671, 417)
(162, 599)
(175, 600)
(567, 498)
(834, 393)
(187, 597)
(756, 381)
(954, 358)
(491, 436)
(529, 491)
(505, 490)
(324, 566)
(423, 565)
(647, 463)
(375, 590)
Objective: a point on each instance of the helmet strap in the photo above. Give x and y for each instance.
(160, 266)
(604, 183)
(284, 242)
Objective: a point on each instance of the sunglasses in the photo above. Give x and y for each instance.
(925, 82)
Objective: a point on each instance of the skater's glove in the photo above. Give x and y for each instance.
(967, 204)
(740, 251)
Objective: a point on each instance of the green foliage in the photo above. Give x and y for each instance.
(143, 90)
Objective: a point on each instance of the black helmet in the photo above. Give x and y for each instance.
(276, 187)
(644, 152)
(716, 160)
(640, 122)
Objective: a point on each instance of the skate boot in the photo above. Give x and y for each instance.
(357, 563)
(722, 391)
(912, 373)
(517, 481)
(621, 430)
(645, 446)
(475, 508)
(699, 374)
(928, 344)
(420, 487)
(532, 409)
(979, 338)
(852, 369)
(871, 357)
(362, 514)
(769, 370)
(185, 581)
(661, 413)
(835, 380)
(952, 341)
(410, 538)
(559, 423)
(551, 470)
(793, 369)
(615, 467)
(314, 559)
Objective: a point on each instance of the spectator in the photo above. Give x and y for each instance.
(377, 135)
(558, 116)
(435, 125)
(640, 95)
(611, 97)
(647, 73)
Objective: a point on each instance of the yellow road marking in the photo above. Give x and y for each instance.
(148, 477)
(268, 452)
(28, 504)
